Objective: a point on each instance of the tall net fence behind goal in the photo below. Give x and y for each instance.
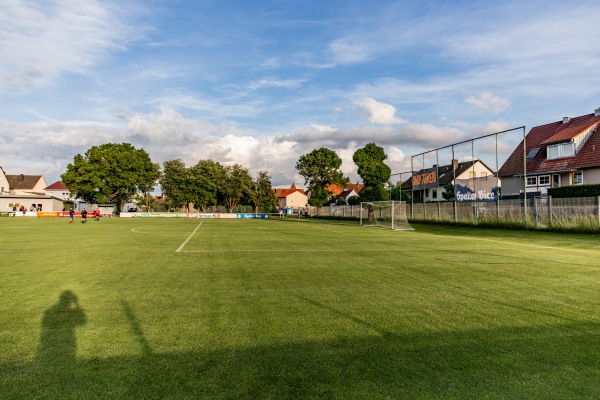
(386, 214)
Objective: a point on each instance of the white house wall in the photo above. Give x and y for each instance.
(4, 189)
(297, 200)
(48, 203)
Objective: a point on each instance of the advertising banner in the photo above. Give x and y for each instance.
(476, 189)
(425, 179)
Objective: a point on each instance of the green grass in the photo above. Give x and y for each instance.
(295, 310)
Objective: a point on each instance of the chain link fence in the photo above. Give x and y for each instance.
(542, 213)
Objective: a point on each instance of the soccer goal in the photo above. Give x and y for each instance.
(386, 214)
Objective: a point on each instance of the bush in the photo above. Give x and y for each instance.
(353, 200)
(575, 191)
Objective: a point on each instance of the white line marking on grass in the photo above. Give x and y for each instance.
(275, 251)
(188, 238)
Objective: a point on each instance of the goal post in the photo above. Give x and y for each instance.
(386, 214)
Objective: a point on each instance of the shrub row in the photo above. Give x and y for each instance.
(575, 191)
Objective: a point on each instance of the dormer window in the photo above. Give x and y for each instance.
(560, 150)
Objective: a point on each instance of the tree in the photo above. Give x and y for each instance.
(206, 179)
(111, 173)
(320, 168)
(353, 200)
(146, 200)
(448, 193)
(397, 194)
(175, 181)
(261, 193)
(236, 181)
(373, 171)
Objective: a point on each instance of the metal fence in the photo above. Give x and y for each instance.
(576, 214)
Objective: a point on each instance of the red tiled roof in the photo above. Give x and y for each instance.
(286, 192)
(540, 136)
(58, 185)
(357, 187)
(334, 189)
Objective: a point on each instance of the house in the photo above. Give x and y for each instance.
(58, 190)
(26, 185)
(357, 187)
(428, 184)
(4, 185)
(347, 193)
(351, 189)
(291, 198)
(561, 153)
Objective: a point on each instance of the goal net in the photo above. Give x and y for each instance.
(386, 214)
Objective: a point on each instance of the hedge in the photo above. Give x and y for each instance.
(575, 191)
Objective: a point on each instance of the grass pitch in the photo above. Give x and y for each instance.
(295, 309)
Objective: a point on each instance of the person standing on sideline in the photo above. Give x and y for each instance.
(71, 215)
(83, 216)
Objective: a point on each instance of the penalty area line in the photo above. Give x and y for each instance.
(188, 238)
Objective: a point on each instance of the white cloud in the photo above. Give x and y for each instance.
(489, 102)
(167, 135)
(274, 82)
(40, 41)
(379, 113)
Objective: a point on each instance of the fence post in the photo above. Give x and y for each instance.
(550, 211)
(535, 214)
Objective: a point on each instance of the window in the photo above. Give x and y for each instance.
(555, 180)
(560, 150)
(578, 178)
(482, 174)
(434, 194)
(532, 181)
(472, 174)
(544, 180)
(532, 153)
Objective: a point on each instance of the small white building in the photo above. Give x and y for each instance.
(58, 190)
(291, 198)
(31, 204)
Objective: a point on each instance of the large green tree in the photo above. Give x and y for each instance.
(261, 193)
(373, 171)
(112, 173)
(236, 181)
(320, 168)
(175, 182)
(206, 179)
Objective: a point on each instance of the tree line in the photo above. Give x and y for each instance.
(116, 173)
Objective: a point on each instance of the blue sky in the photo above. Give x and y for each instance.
(261, 83)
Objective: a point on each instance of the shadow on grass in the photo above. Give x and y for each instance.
(555, 361)
(58, 344)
